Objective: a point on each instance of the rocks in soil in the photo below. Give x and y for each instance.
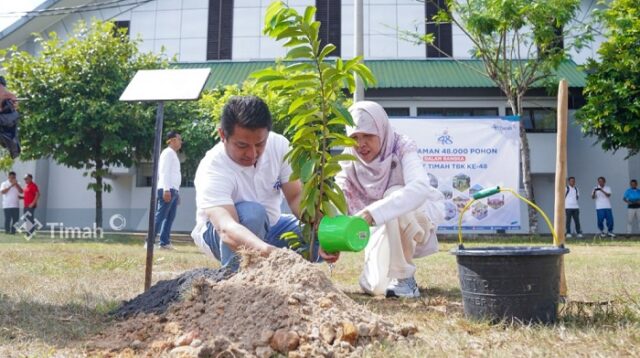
(276, 305)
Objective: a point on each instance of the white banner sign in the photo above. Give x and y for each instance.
(465, 155)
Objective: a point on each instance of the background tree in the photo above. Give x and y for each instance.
(612, 112)
(72, 113)
(317, 112)
(521, 43)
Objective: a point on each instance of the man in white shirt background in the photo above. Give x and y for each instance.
(240, 184)
(11, 191)
(169, 180)
(601, 194)
(571, 207)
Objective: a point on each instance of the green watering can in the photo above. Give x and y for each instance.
(343, 233)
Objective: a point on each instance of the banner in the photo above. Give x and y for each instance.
(465, 155)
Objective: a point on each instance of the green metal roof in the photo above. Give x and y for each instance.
(427, 73)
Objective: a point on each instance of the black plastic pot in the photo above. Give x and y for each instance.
(510, 283)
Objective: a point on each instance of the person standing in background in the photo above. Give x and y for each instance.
(169, 180)
(11, 191)
(571, 207)
(632, 198)
(31, 195)
(601, 194)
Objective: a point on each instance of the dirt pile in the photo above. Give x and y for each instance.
(281, 304)
(161, 295)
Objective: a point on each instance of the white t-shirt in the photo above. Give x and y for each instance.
(169, 176)
(221, 181)
(602, 201)
(571, 197)
(10, 199)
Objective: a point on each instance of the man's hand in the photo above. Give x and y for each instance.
(328, 257)
(166, 196)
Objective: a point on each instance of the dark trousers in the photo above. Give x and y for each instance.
(575, 214)
(11, 217)
(31, 218)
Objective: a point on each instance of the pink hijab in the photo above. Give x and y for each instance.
(364, 183)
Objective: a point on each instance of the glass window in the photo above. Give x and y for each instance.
(542, 120)
(456, 112)
(397, 111)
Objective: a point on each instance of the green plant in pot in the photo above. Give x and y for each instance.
(318, 116)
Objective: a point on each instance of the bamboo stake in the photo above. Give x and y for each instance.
(561, 174)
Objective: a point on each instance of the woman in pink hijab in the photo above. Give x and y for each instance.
(388, 187)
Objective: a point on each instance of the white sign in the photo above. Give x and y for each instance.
(465, 155)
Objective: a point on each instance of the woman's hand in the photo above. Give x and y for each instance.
(366, 215)
(328, 257)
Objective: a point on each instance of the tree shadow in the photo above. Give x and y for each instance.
(432, 299)
(56, 325)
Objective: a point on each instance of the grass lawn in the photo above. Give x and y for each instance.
(54, 295)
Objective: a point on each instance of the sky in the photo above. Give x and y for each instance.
(9, 6)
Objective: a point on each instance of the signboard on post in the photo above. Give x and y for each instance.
(465, 155)
(160, 86)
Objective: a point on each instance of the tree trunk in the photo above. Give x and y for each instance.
(98, 189)
(525, 161)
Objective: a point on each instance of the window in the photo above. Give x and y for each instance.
(329, 14)
(456, 112)
(443, 38)
(122, 25)
(538, 119)
(397, 111)
(144, 176)
(220, 29)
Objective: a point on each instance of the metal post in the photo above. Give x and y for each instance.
(157, 143)
(358, 30)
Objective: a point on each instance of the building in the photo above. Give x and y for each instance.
(414, 80)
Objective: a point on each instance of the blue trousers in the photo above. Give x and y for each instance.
(165, 214)
(254, 217)
(605, 214)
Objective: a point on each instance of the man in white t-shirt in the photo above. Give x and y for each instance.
(571, 207)
(168, 194)
(601, 194)
(240, 184)
(11, 191)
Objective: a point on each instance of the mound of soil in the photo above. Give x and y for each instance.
(161, 295)
(280, 304)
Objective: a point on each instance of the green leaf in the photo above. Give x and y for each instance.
(328, 48)
(309, 13)
(297, 103)
(300, 52)
(307, 170)
(266, 75)
(337, 198)
(342, 157)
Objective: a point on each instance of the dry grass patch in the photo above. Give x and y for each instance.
(54, 296)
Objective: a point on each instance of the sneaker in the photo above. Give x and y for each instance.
(167, 247)
(580, 236)
(611, 235)
(403, 287)
(569, 236)
(602, 234)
